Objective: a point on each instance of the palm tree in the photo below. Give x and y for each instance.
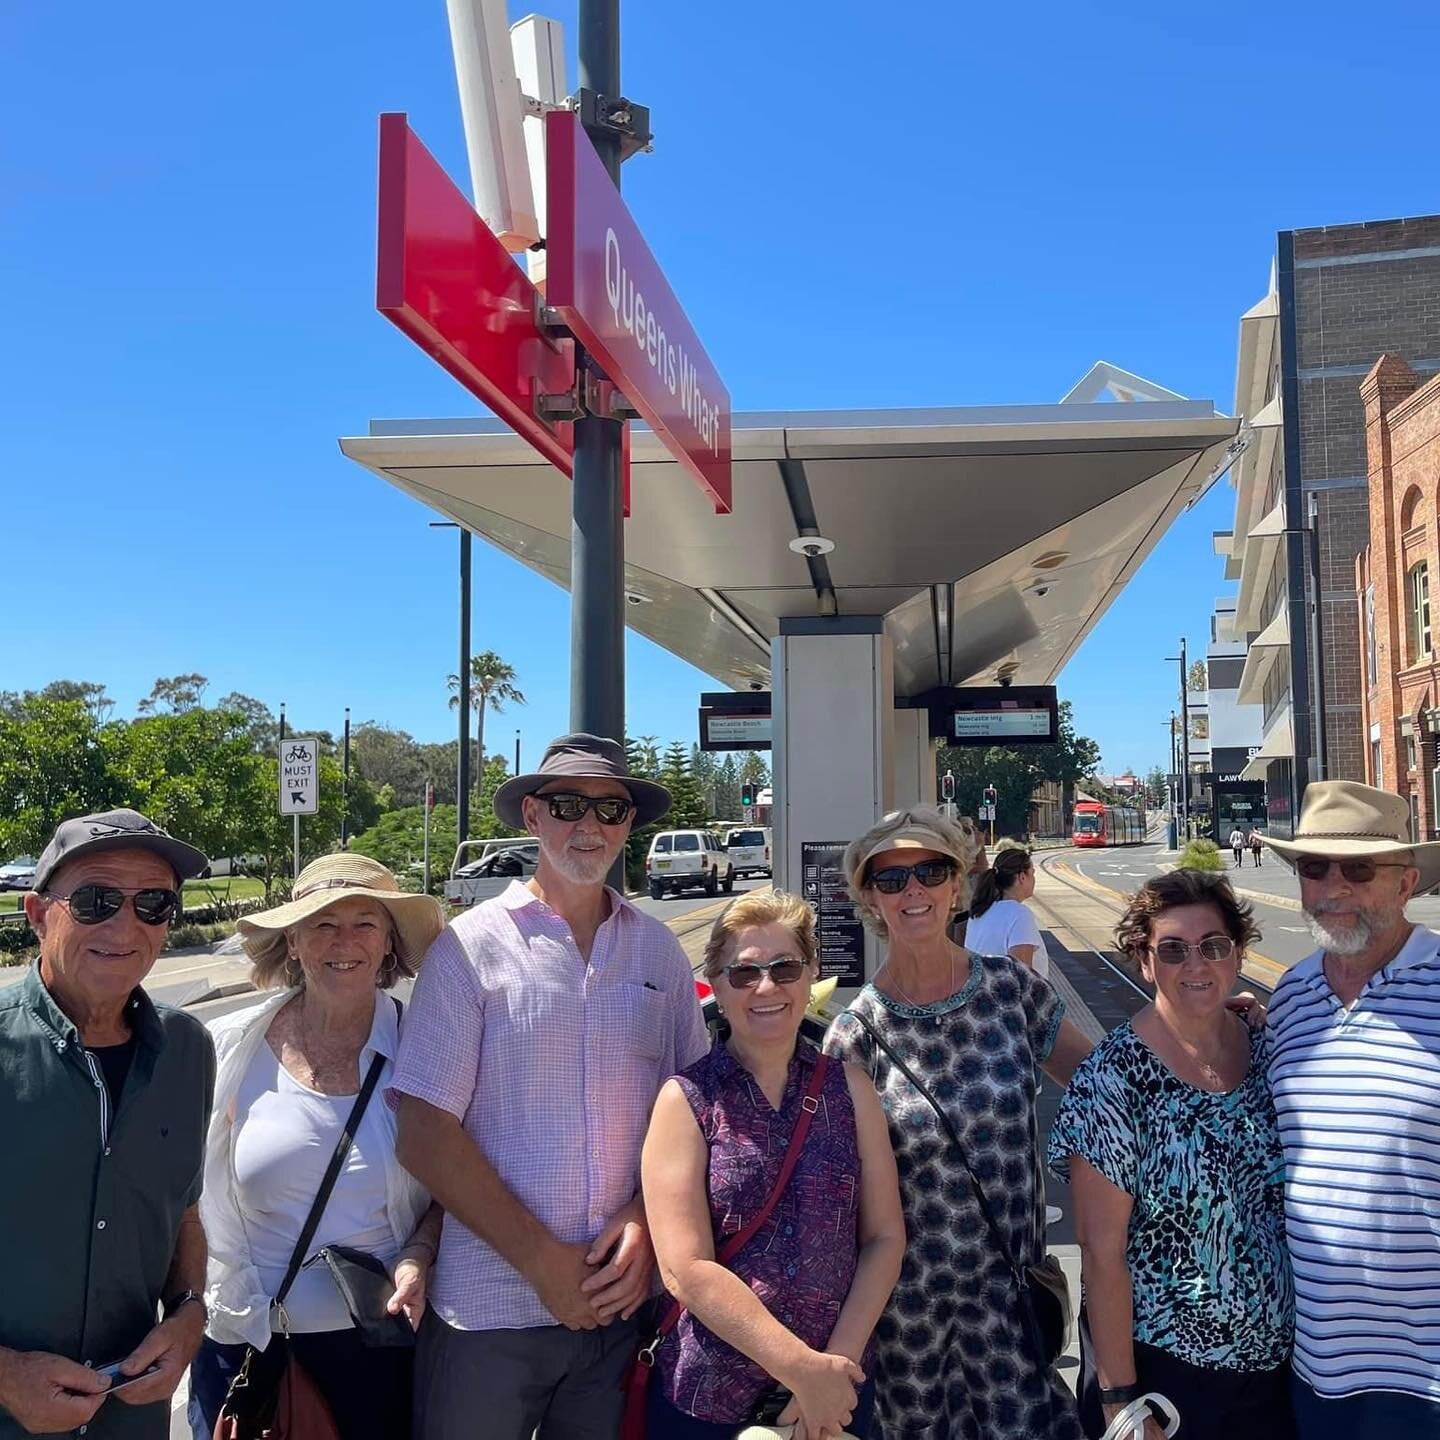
(492, 687)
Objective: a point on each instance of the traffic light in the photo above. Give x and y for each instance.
(991, 795)
(747, 793)
(947, 785)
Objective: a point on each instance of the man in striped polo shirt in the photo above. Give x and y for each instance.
(1355, 1071)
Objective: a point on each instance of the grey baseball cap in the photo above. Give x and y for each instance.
(117, 830)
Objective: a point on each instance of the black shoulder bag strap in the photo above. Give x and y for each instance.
(1018, 1272)
(332, 1171)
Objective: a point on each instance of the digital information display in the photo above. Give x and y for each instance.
(1027, 723)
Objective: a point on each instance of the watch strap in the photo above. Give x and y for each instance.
(175, 1302)
(1120, 1394)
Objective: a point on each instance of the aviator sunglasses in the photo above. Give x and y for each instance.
(1357, 872)
(783, 970)
(94, 904)
(609, 809)
(1214, 948)
(894, 878)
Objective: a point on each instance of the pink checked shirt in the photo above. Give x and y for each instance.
(552, 1066)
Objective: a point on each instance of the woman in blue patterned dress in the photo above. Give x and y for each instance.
(795, 1308)
(953, 1360)
(1168, 1138)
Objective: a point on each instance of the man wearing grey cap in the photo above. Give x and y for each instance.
(104, 1103)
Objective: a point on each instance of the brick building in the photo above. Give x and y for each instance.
(1400, 671)
(1340, 297)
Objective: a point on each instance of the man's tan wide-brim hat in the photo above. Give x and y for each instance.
(418, 919)
(1342, 818)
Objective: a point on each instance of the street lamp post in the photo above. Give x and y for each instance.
(1184, 739)
(462, 767)
(1314, 726)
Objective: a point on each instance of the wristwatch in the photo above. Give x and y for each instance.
(1121, 1394)
(176, 1302)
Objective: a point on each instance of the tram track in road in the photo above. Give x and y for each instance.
(1258, 970)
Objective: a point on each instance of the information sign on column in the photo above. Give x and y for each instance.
(839, 931)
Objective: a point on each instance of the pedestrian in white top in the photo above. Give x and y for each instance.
(1237, 846)
(1355, 1072)
(543, 1026)
(1000, 921)
(290, 1070)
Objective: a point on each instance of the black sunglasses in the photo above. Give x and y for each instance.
(894, 878)
(94, 904)
(609, 809)
(1214, 948)
(1357, 872)
(784, 970)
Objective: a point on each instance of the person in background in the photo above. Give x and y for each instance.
(1237, 846)
(978, 866)
(290, 1068)
(716, 1142)
(953, 1360)
(104, 1099)
(1000, 921)
(1256, 846)
(1167, 1136)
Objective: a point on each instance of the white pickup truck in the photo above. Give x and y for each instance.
(474, 878)
(749, 849)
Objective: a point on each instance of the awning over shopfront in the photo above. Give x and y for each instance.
(1278, 744)
(1265, 651)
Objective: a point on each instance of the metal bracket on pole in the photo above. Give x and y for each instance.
(629, 121)
(592, 394)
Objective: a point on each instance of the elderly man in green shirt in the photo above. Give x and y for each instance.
(104, 1103)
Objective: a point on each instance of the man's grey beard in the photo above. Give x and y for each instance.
(1369, 925)
(580, 868)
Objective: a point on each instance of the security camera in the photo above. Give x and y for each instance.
(757, 684)
(1040, 591)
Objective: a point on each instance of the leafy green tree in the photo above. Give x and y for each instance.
(492, 687)
(174, 693)
(89, 694)
(687, 805)
(54, 763)
(269, 835)
(387, 756)
(1199, 677)
(727, 788)
(753, 768)
(258, 720)
(441, 762)
(397, 840)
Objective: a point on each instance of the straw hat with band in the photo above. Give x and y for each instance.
(912, 833)
(1344, 820)
(581, 757)
(417, 919)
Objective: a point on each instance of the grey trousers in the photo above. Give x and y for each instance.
(549, 1383)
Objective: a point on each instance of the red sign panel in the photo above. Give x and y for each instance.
(602, 278)
(450, 285)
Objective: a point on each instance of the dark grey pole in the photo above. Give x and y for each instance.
(462, 769)
(1184, 740)
(597, 536)
(282, 720)
(1317, 643)
(517, 753)
(345, 788)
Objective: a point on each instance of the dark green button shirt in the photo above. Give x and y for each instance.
(91, 1196)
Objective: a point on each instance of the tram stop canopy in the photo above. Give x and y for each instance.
(989, 540)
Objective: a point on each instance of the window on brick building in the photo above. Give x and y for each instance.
(1417, 597)
(1372, 667)
(1410, 752)
(1408, 506)
(1377, 767)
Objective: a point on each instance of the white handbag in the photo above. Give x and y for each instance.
(779, 1432)
(1129, 1424)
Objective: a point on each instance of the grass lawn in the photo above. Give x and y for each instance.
(226, 887)
(10, 899)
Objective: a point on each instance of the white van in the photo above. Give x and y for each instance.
(688, 860)
(749, 849)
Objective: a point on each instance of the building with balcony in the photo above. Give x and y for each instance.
(1339, 297)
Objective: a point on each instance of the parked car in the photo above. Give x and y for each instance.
(18, 874)
(749, 849)
(474, 878)
(688, 860)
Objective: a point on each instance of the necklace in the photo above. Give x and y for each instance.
(1207, 1070)
(899, 989)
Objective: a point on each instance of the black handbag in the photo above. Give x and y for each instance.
(1046, 1313)
(366, 1287)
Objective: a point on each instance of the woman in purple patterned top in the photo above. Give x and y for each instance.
(795, 1309)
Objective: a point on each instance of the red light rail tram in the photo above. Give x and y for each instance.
(1095, 824)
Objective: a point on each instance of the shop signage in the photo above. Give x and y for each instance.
(838, 929)
(445, 280)
(606, 285)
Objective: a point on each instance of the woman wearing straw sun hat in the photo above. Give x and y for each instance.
(295, 1073)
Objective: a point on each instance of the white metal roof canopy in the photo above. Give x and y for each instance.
(987, 538)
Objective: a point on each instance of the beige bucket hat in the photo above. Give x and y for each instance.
(1344, 819)
(418, 919)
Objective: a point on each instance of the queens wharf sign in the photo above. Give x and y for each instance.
(605, 283)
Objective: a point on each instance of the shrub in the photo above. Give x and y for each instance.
(1200, 855)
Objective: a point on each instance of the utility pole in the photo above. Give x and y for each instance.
(516, 771)
(345, 788)
(1184, 741)
(597, 535)
(462, 764)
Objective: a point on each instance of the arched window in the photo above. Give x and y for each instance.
(1408, 506)
(1417, 605)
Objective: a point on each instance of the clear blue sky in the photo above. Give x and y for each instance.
(859, 206)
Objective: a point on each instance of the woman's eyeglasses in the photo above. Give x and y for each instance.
(94, 904)
(1214, 948)
(1357, 872)
(609, 809)
(783, 970)
(894, 878)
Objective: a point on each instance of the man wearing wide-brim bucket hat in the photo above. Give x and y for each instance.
(1355, 1071)
(290, 1070)
(544, 1023)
